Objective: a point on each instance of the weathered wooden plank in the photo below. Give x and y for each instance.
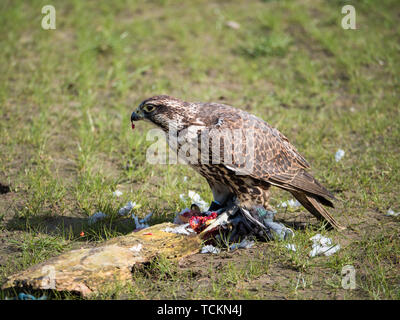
(88, 270)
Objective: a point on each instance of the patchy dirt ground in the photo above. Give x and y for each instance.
(66, 96)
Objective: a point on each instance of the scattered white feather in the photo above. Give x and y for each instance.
(181, 229)
(390, 212)
(332, 250)
(245, 244)
(196, 199)
(320, 239)
(136, 248)
(127, 208)
(290, 203)
(210, 249)
(322, 245)
(291, 246)
(339, 155)
(141, 223)
(117, 193)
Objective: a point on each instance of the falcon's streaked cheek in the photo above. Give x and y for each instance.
(158, 118)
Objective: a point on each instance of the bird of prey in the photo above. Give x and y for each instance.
(275, 161)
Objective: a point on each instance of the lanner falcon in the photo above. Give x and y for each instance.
(275, 161)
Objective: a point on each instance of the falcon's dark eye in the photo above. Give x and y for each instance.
(148, 108)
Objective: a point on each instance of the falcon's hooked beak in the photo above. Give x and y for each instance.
(136, 116)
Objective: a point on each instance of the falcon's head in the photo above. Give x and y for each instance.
(165, 111)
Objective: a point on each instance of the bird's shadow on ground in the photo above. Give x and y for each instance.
(77, 228)
(295, 225)
(297, 220)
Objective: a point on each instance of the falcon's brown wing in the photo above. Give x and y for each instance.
(276, 161)
(283, 166)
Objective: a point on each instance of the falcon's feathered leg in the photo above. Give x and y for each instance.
(221, 194)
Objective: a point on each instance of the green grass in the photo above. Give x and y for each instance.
(66, 96)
